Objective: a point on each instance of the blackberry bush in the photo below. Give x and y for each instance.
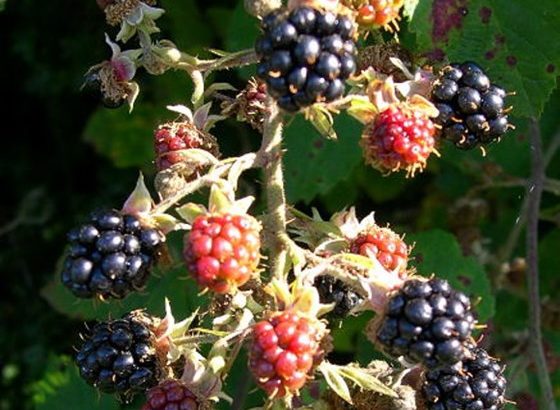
(305, 56)
(110, 256)
(271, 278)
(472, 109)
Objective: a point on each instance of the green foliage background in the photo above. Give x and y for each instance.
(63, 155)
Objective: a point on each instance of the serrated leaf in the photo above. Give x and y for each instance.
(122, 137)
(61, 388)
(437, 252)
(241, 22)
(315, 165)
(518, 55)
(171, 284)
(335, 381)
(366, 381)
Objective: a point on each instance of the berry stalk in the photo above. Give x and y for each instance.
(271, 149)
(535, 189)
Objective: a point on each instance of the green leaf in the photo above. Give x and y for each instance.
(335, 381)
(61, 388)
(410, 7)
(2, 5)
(437, 252)
(187, 25)
(242, 31)
(366, 380)
(315, 165)
(126, 139)
(172, 284)
(520, 56)
(548, 264)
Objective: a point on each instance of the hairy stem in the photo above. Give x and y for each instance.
(271, 150)
(535, 189)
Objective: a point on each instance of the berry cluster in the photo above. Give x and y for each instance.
(110, 256)
(397, 139)
(171, 395)
(332, 290)
(471, 109)
(172, 140)
(480, 385)
(283, 352)
(376, 13)
(384, 245)
(427, 322)
(305, 56)
(120, 356)
(222, 250)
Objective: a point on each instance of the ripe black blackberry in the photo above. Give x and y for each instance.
(121, 356)
(471, 108)
(305, 56)
(480, 385)
(426, 322)
(110, 256)
(332, 290)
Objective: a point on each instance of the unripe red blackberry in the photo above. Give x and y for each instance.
(173, 140)
(479, 385)
(472, 109)
(110, 256)
(305, 56)
(121, 356)
(332, 290)
(171, 395)
(384, 245)
(222, 251)
(283, 352)
(426, 321)
(398, 138)
(376, 13)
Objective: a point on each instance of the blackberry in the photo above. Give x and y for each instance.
(471, 107)
(110, 256)
(332, 290)
(305, 55)
(120, 356)
(479, 386)
(427, 322)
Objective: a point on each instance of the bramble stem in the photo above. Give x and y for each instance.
(271, 150)
(535, 188)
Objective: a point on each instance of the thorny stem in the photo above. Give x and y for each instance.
(507, 250)
(271, 150)
(535, 189)
(233, 60)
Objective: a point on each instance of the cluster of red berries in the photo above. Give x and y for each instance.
(222, 251)
(171, 142)
(399, 138)
(285, 347)
(384, 245)
(171, 395)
